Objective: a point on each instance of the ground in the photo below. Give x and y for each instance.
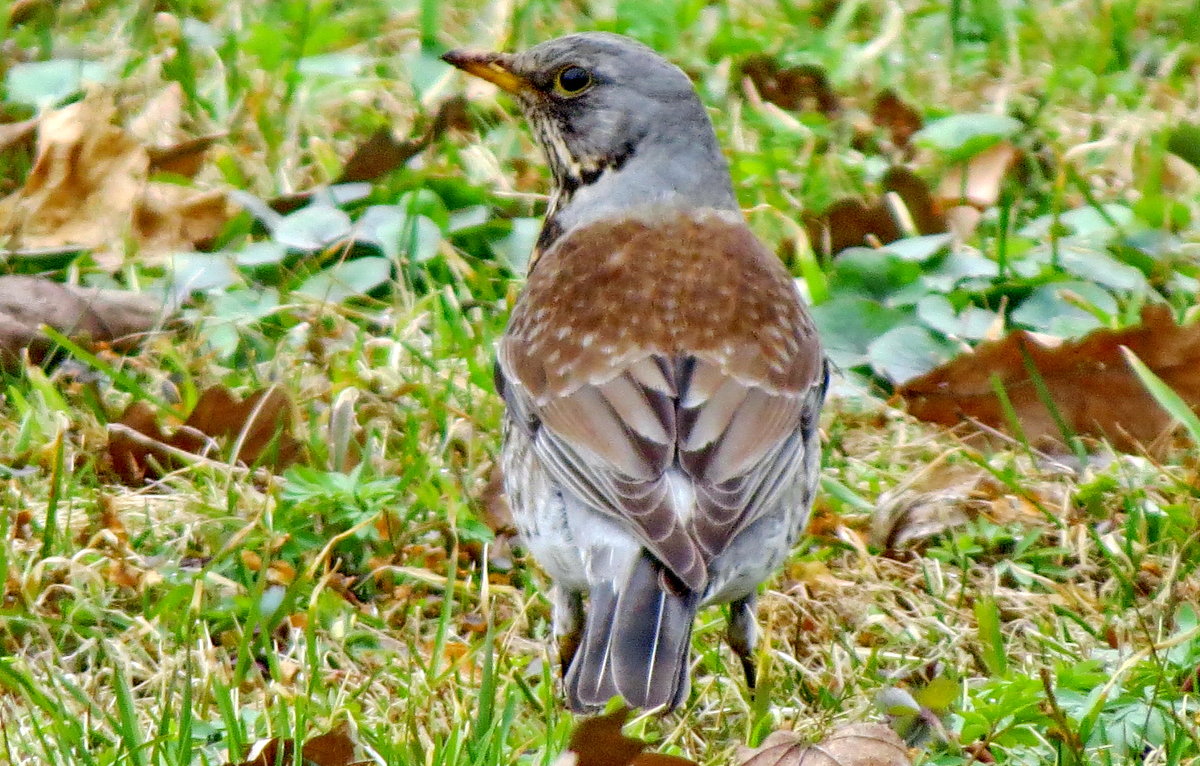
(1015, 603)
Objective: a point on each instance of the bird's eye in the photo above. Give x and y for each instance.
(572, 81)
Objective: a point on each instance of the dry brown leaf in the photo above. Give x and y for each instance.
(90, 185)
(851, 222)
(898, 118)
(14, 133)
(160, 120)
(940, 497)
(497, 514)
(21, 11)
(857, 744)
(1180, 177)
(82, 314)
(87, 175)
(382, 153)
(962, 221)
(167, 217)
(798, 88)
(1093, 388)
(977, 181)
(334, 748)
(598, 741)
(185, 158)
(260, 427)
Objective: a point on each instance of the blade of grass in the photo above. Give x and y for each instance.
(1043, 394)
(1166, 397)
(987, 615)
(121, 379)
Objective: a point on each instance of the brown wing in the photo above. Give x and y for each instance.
(641, 347)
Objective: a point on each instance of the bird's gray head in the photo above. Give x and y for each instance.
(605, 107)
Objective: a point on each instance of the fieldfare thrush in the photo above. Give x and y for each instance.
(661, 376)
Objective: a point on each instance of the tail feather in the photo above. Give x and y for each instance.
(589, 682)
(636, 642)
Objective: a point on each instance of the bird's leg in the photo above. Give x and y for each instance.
(567, 619)
(742, 634)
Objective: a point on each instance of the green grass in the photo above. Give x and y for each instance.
(182, 621)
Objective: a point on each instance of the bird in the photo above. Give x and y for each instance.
(662, 378)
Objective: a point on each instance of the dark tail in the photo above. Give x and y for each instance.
(636, 642)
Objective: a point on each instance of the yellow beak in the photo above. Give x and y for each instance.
(496, 68)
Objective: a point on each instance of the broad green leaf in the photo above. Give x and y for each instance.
(381, 225)
(1102, 219)
(991, 640)
(196, 272)
(1048, 310)
(515, 249)
(312, 228)
(906, 352)
(1184, 142)
(1094, 223)
(397, 233)
(256, 207)
(848, 324)
(47, 83)
(1100, 267)
(425, 70)
(961, 136)
(247, 305)
(1163, 212)
(972, 323)
(468, 218)
(919, 249)
(339, 195)
(347, 279)
(265, 253)
(427, 203)
(939, 695)
(956, 269)
(421, 238)
(870, 272)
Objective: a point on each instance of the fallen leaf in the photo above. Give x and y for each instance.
(918, 200)
(382, 153)
(940, 496)
(906, 208)
(598, 741)
(898, 118)
(258, 428)
(857, 744)
(1089, 381)
(120, 573)
(15, 133)
(168, 218)
(497, 514)
(90, 184)
(86, 315)
(977, 181)
(798, 88)
(849, 222)
(918, 718)
(160, 119)
(185, 158)
(334, 748)
(21, 11)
